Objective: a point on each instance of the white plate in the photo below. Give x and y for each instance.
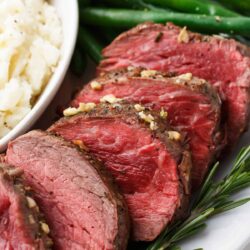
(68, 12)
(230, 230)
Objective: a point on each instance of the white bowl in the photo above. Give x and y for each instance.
(68, 12)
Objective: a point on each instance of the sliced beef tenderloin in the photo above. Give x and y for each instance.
(192, 106)
(78, 199)
(143, 154)
(22, 226)
(168, 48)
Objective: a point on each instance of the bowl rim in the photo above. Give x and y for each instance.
(52, 87)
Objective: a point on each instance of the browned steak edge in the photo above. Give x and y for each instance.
(193, 36)
(193, 83)
(34, 218)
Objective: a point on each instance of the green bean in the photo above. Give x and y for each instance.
(89, 44)
(188, 6)
(195, 6)
(238, 5)
(78, 62)
(136, 4)
(129, 18)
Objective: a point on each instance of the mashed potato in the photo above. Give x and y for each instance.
(30, 41)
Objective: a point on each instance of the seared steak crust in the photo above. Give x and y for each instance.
(22, 226)
(151, 169)
(192, 105)
(77, 197)
(225, 63)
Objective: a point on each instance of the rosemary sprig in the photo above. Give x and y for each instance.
(213, 198)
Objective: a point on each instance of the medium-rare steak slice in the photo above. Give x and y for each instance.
(192, 106)
(77, 198)
(144, 155)
(168, 48)
(21, 224)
